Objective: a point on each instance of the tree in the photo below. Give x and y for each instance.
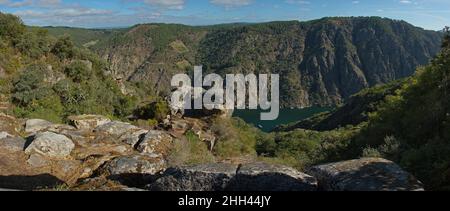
(78, 71)
(30, 86)
(11, 26)
(64, 48)
(446, 43)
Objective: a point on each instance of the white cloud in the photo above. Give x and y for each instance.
(168, 4)
(406, 2)
(297, 2)
(232, 3)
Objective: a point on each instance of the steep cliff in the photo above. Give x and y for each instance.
(321, 62)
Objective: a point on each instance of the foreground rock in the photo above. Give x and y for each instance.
(136, 170)
(227, 177)
(368, 174)
(265, 177)
(209, 177)
(36, 125)
(51, 145)
(156, 142)
(13, 144)
(88, 122)
(5, 135)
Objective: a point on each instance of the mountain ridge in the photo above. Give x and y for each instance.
(322, 62)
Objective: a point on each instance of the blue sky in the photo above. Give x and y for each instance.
(429, 14)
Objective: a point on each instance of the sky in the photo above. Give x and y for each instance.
(428, 14)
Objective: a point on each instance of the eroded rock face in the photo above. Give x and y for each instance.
(208, 177)
(4, 135)
(116, 128)
(266, 177)
(13, 144)
(368, 174)
(156, 142)
(136, 170)
(36, 125)
(51, 145)
(227, 177)
(137, 164)
(88, 122)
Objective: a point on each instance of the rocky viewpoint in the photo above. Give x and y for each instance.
(95, 153)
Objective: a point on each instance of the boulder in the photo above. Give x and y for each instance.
(207, 177)
(136, 164)
(5, 135)
(51, 145)
(156, 142)
(367, 174)
(13, 144)
(88, 122)
(266, 177)
(228, 177)
(38, 161)
(116, 128)
(36, 125)
(133, 137)
(135, 171)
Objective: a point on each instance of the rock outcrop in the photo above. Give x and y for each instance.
(227, 177)
(51, 145)
(87, 122)
(36, 125)
(155, 142)
(367, 174)
(121, 156)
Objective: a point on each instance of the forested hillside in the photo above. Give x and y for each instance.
(321, 62)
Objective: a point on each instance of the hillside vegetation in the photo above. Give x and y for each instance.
(50, 78)
(407, 121)
(321, 62)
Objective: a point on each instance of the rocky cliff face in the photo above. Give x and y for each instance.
(320, 62)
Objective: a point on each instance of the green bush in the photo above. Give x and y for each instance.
(11, 26)
(78, 71)
(157, 110)
(190, 151)
(235, 138)
(64, 48)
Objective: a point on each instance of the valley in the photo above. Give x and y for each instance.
(87, 109)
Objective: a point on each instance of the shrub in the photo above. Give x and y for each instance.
(190, 151)
(78, 71)
(157, 110)
(11, 26)
(64, 48)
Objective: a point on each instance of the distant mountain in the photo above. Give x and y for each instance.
(321, 62)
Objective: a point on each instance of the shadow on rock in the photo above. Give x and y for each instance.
(134, 180)
(28, 183)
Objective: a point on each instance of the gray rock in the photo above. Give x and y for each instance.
(51, 145)
(88, 122)
(38, 161)
(116, 128)
(228, 177)
(135, 171)
(138, 164)
(36, 125)
(13, 144)
(207, 177)
(368, 174)
(265, 177)
(156, 142)
(133, 137)
(5, 135)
